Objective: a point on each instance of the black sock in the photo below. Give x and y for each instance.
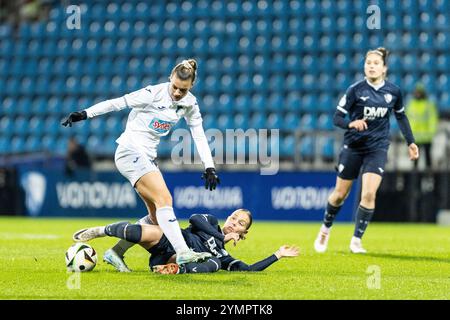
(210, 265)
(330, 215)
(125, 230)
(363, 217)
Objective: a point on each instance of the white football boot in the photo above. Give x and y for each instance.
(89, 234)
(191, 256)
(356, 245)
(112, 258)
(321, 243)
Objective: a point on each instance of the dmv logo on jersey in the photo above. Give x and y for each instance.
(370, 113)
(160, 126)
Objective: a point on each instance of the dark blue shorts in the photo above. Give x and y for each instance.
(163, 250)
(351, 163)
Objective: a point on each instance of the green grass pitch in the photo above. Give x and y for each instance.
(405, 261)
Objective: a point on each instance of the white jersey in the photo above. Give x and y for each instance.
(153, 115)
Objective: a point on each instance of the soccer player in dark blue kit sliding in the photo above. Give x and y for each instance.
(368, 105)
(203, 235)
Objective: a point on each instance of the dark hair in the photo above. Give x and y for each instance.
(382, 51)
(186, 69)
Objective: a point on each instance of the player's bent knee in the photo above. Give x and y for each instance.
(338, 196)
(368, 197)
(163, 201)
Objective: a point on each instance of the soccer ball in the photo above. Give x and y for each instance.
(80, 257)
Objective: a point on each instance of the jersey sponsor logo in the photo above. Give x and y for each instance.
(370, 113)
(161, 126)
(305, 198)
(137, 158)
(173, 220)
(95, 195)
(365, 98)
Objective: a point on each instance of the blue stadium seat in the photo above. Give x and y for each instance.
(325, 122)
(224, 122)
(308, 122)
(17, 144)
(258, 103)
(32, 144)
(309, 103)
(291, 121)
(442, 41)
(307, 149)
(6, 125)
(241, 120)
(293, 102)
(35, 126)
(51, 125)
(5, 145)
(327, 149)
(292, 82)
(225, 103)
(326, 103)
(287, 148)
(277, 83)
(257, 121)
(20, 125)
(273, 121)
(243, 102)
(275, 102)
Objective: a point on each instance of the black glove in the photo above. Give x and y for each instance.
(74, 117)
(211, 178)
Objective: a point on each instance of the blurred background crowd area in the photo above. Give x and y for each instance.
(280, 64)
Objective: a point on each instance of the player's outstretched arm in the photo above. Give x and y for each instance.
(237, 265)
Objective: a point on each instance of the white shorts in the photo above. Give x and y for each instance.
(133, 164)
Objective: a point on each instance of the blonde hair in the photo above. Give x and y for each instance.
(186, 69)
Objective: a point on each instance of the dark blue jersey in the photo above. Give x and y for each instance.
(374, 104)
(205, 234)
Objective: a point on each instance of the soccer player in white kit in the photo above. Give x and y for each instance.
(154, 111)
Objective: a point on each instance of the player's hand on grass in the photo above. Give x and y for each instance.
(359, 125)
(413, 151)
(232, 236)
(74, 117)
(287, 251)
(211, 178)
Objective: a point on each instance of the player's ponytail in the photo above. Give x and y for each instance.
(186, 69)
(384, 54)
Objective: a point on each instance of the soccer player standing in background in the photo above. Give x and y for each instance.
(368, 103)
(155, 110)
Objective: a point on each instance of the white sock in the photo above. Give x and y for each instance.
(169, 225)
(325, 229)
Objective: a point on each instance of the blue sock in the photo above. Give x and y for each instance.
(125, 230)
(363, 217)
(330, 214)
(211, 265)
